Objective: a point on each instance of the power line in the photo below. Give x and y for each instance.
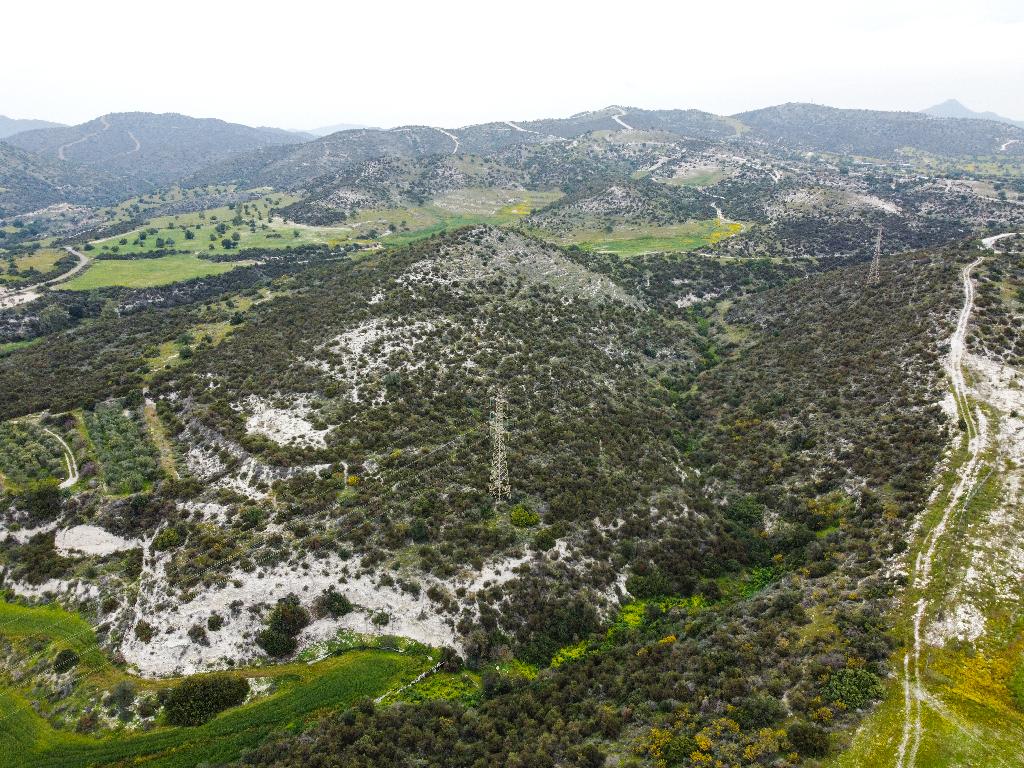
(874, 275)
(499, 458)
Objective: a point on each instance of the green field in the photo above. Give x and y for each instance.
(632, 241)
(699, 178)
(248, 225)
(41, 261)
(305, 691)
(257, 229)
(146, 273)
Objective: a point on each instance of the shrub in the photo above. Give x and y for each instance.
(65, 660)
(168, 538)
(121, 696)
(333, 603)
(214, 622)
(197, 699)
(760, 711)
(808, 739)
(197, 634)
(276, 643)
(544, 540)
(523, 517)
(854, 687)
(283, 625)
(144, 630)
(288, 616)
(42, 500)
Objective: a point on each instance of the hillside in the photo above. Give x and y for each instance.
(147, 150)
(10, 125)
(879, 134)
(29, 183)
(636, 438)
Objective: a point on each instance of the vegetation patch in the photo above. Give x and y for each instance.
(633, 241)
(146, 273)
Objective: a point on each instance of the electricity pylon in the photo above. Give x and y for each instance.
(876, 263)
(499, 459)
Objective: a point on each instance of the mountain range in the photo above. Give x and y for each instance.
(123, 154)
(10, 125)
(953, 108)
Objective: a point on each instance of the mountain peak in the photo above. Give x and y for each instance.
(955, 108)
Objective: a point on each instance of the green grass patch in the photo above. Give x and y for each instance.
(330, 685)
(304, 691)
(459, 686)
(146, 273)
(701, 178)
(633, 241)
(14, 346)
(39, 262)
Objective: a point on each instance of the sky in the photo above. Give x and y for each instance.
(301, 64)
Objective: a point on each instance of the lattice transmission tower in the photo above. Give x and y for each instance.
(499, 456)
(874, 275)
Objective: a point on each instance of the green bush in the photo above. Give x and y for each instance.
(808, 739)
(333, 603)
(544, 540)
(144, 630)
(854, 687)
(283, 625)
(760, 711)
(168, 538)
(523, 517)
(197, 699)
(276, 643)
(65, 660)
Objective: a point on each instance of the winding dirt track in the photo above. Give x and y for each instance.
(451, 136)
(915, 697)
(31, 292)
(69, 459)
(618, 119)
(60, 149)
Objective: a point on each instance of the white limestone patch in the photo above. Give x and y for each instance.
(21, 535)
(286, 424)
(871, 201)
(91, 540)
(173, 652)
(964, 623)
(373, 347)
(70, 590)
(1002, 387)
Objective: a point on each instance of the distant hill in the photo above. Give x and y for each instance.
(327, 130)
(295, 166)
(148, 150)
(10, 125)
(28, 183)
(878, 134)
(953, 108)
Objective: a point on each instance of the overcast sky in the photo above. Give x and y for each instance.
(304, 64)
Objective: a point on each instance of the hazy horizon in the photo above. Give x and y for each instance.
(355, 125)
(396, 63)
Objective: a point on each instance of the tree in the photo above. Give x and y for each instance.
(198, 699)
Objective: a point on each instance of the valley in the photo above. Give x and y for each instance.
(760, 417)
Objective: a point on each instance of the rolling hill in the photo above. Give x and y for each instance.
(148, 150)
(11, 125)
(878, 134)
